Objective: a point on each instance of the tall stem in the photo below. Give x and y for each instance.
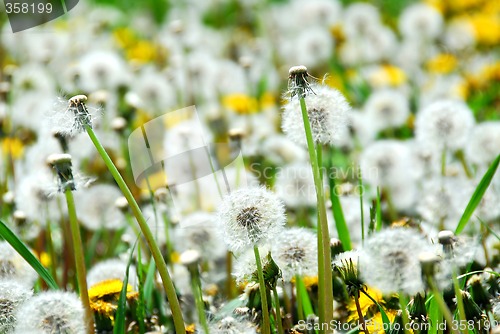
(266, 324)
(325, 285)
(79, 261)
(360, 314)
(278, 311)
(146, 231)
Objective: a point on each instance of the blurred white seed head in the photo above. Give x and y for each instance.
(249, 216)
(230, 325)
(295, 252)
(52, 312)
(14, 267)
(295, 185)
(387, 108)
(69, 117)
(280, 150)
(245, 266)
(482, 146)
(359, 19)
(420, 21)
(96, 207)
(327, 110)
(111, 269)
(389, 261)
(444, 124)
(12, 295)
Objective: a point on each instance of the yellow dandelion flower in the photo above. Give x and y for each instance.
(142, 52)
(104, 295)
(461, 5)
(45, 259)
(443, 63)
(191, 329)
(365, 303)
(375, 325)
(125, 37)
(13, 147)
(486, 28)
(175, 257)
(387, 75)
(439, 5)
(240, 103)
(267, 100)
(141, 118)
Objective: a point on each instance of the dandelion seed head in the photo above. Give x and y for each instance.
(389, 261)
(245, 266)
(420, 21)
(295, 251)
(111, 269)
(230, 325)
(52, 312)
(12, 295)
(249, 216)
(482, 146)
(444, 124)
(327, 110)
(14, 267)
(387, 108)
(359, 18)
(280, 150)
(295, 185)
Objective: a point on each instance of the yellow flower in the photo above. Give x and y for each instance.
(376, 324)
(365, 303)
(461, 5)
(387, 75)
(104, 295)
(191, 329)
(13, 147)
(142, 52)
(45, 259)
(240, 103)
(443, 63)
(309, 281)
(174, 257)
(486, 28)
(125, 37)
(267, 100)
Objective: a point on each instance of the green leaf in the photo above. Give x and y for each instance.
(302, 291)
(338, 215)
(21, 248)
(478, 195)
(378, 215)
(119, 327)
(149, 284)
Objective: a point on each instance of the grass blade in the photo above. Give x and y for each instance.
(378, 215)
(338, 216)
(21, 248)
(119, 326)
(477, 195)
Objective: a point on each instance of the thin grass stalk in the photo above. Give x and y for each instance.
(266, 324)
(146, 231)
(442, 305)
(325, 285)
(79, 261)
(278, 310)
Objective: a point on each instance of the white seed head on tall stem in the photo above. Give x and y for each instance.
(249, 216)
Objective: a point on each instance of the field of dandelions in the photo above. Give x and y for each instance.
(252, 166)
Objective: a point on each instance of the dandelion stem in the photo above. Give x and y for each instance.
(278, 310)
(325, 286)
(153, 246)
(79, 261)
(360, 314)
(458, 295)
(266, 325)
(442, 305)
(198, 296)
(403, 302)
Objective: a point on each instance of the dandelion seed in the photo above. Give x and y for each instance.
(295, 252)
(327, 110)
(12, 295)
(52, 312)
(250, 216)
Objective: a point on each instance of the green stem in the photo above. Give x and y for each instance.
(403, 302)
(146, 231)
(266, 325)
(458, 295)
(442, 305)
(278, 311)
(360, 314)
(79, 261)
(325, 285)
(198, 296)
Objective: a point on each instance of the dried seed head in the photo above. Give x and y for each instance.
(122, 204)
(119, 124)
(446, 237)
(236, 134)
(19, 217)
(297, 70)
(190, 257)
(61, 163)
(298, 84)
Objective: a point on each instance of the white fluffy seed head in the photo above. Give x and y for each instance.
(295, 185)
(420, 21)
(295, 251)
(328, 111)
(249, 216)
(389, 261)
(387, 108)
(12, 295)
(14, 267)
(52, 312)
(230, 325)
(444, 124)
(482, 147)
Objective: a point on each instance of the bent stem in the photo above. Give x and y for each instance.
(146, 231)
(325, 285)
(360, 314)
(79, 261)
(266, 325)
